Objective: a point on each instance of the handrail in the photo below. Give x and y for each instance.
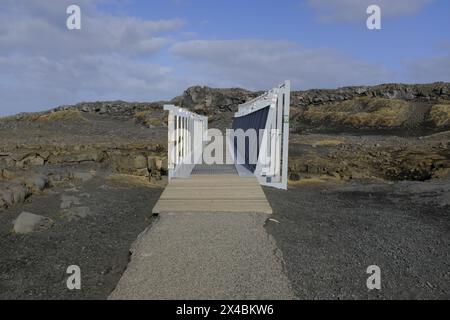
(186, 131)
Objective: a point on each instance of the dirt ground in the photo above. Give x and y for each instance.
(328, 232)
(86, 129)
(33, 266)
(331, 233)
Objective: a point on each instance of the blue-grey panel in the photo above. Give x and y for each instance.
(256, 120)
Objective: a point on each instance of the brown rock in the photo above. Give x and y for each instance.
(131, 164)
(7, 197)
(19, 193)
(152, 163)
(37, 182)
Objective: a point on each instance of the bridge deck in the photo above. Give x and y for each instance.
(213, 190)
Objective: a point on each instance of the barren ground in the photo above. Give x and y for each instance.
(33, 266)
(329, 234)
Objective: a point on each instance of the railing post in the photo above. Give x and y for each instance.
(177, 143)
(285, 152)
(182, 139)
(171, 146)
(185, 139)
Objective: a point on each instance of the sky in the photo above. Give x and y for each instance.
(149, 50)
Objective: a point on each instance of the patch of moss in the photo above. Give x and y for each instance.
(60, 115)
(148, 119)
(362, 112)
(440, 115)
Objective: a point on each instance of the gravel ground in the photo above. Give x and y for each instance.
(329, 235)
(34, 266)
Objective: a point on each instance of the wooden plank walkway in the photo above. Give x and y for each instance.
(213, 193)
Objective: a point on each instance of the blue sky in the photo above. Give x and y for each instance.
(150, 50)
(416, 35)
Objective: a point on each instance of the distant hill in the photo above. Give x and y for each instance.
(388, 108)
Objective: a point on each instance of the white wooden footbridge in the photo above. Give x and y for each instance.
(197, 183)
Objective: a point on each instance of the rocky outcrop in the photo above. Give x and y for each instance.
(119, 109)
(209, 101)
(135, 165)
(387, 158)
(218, 104)
(124, 137)
(146, 114)
(141, 161)
(19, 186)
(406, 92)
(402, 109)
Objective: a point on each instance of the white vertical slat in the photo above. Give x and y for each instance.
(177, 138)
(286, 111)
(183, 126)
(191, 136)
(185, 137)
(170, 144)
(278, 135)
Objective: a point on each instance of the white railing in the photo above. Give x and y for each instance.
(186, 131)
(272, 167)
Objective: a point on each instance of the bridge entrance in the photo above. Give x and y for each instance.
(256, 154)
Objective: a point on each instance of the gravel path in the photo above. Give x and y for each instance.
(205, 256)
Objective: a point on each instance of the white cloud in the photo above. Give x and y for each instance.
(261, 64)
(355, 10)
(43, 31)
(43, 64)
(41, 83)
